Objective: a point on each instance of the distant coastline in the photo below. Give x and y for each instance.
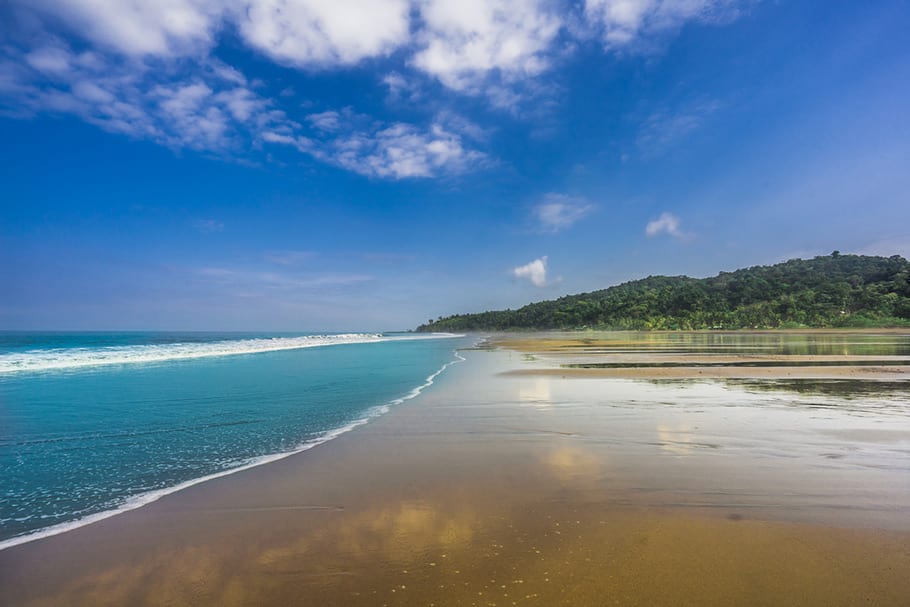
(827, 292)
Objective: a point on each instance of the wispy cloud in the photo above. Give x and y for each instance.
(384, 257)
(668, 224)
(625, 24)
(664, 129)
(888, 246)
(209, 110)
(146, 68)
(560, 211)
(290, 258)
(254, 280)
(535, 272)
(208, 226)
(393, 151)
(401, 87)
(325, 121)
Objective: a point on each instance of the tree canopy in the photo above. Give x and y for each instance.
(836, 290)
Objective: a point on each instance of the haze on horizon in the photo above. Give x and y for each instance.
(366, 165)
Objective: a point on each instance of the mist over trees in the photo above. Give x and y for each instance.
(827, 291)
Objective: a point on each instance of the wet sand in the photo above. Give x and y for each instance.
(808, 354)
(731, 372)
(501, 488)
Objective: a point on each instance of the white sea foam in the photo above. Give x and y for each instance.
(137, 501)
(74, 358)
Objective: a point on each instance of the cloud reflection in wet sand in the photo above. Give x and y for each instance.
(677, 439)
(547, 552)
(536, 391)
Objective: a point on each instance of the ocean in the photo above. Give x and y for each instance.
(92, 424)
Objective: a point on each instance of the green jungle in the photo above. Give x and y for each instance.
(849, 291)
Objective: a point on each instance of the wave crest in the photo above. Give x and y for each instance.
(75, 358)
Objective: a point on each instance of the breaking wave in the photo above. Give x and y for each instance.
(74, 358)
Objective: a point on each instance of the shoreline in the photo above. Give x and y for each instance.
(499, 487)
(144, 499)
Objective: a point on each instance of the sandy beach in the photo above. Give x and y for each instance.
(710, 355)
(517, 480)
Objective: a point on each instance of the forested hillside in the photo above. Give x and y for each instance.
(829, 291)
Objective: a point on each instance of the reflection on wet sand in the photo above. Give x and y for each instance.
(807, 371)
(547, 553)
(678, 439)
(572, 463)
(394, 533)
(881, 342)
(536, 391)
(498, 489)
(806, 355)
(841, 388)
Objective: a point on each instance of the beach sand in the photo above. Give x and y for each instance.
(506, 484)
(711, 355)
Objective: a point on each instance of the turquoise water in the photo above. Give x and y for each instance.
(93, 423)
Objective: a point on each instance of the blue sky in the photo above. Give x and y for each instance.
(353, 165)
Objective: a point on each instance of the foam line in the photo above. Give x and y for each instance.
(75, 358)
(137, 501)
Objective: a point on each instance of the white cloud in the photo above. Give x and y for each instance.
(490, 47)
(325, 121)
(393, 151)
(213, 109)
(624, 23)
(306, 33)
(190, 109)
(535, 272)
(141, 27)
(227, 73)
(273, 137)
(667, 223)
(401, 87)
(559, 211)
(463, 43)
(145, 69)
(320, 32)
(89, 91)
(208, 110)
(242, 103)
(403, 150)
(49, 59)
